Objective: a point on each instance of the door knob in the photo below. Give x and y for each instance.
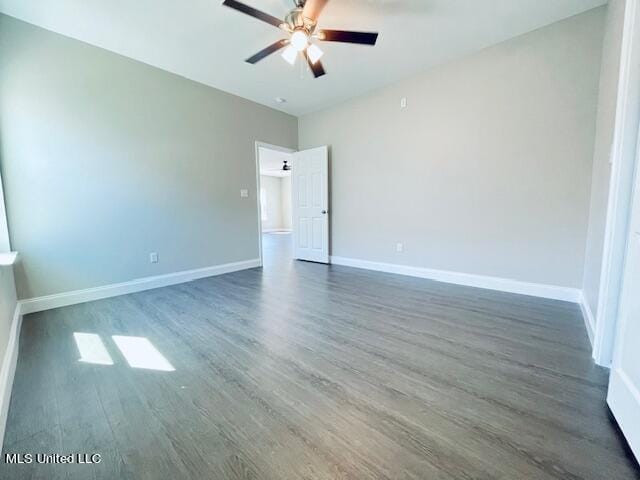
(324, 212)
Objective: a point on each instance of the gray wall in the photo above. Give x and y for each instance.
(105, 159)
(604, 138)
(487, 170)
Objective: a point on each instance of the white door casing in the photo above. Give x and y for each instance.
(310, 204)
(624, 384)
(623, 156)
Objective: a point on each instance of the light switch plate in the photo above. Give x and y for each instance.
(399, 248)
(244, 193)
(403, 102)
(153, 257)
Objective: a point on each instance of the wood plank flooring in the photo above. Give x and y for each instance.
(305, 371)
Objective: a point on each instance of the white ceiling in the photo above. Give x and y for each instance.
(271, 162)
(206, 42)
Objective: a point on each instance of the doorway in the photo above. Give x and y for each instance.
(293, 204)
(275, 219)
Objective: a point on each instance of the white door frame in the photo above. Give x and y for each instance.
(270, 147)
(623, 159)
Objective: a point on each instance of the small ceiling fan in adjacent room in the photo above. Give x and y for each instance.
(300, 25)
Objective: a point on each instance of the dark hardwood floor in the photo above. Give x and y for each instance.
(305, 371)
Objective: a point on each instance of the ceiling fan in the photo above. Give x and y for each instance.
(300, 23)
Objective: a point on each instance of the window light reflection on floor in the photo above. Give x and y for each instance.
(92, 349)
(140, 353)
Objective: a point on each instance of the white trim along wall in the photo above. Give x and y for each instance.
(623, 160)
(553, 292)
(468, 279)
(47, 302)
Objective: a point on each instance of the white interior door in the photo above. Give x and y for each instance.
(624, 384)
(310, 192)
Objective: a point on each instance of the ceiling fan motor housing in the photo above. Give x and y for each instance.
(295, 20)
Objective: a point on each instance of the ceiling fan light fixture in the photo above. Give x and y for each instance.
(299, 40)
(314, 53)
(300, 26)
(290, 54)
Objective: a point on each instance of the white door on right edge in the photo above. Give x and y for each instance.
(310, 205)
(624, 382)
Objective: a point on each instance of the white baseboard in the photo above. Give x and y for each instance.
(470, 280)
(47, 302)
(589, 319)
(8, 370)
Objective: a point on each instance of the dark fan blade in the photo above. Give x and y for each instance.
(241, 7)
(313, 8)
(316, 68)
(364, 38)
(267, 51)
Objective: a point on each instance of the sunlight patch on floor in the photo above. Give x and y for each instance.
(139, 352)
(92, 349)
